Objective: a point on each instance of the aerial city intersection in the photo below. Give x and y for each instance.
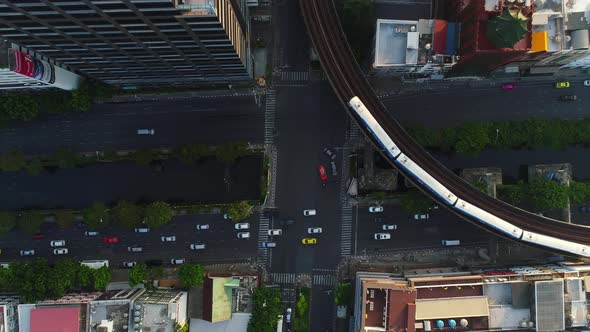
(294, 165)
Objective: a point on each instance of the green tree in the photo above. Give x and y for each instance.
(266, 310)
(416, 202)
(191, 275)
(96, 216)
(547, 194)
(7, 222)
(481, 184)
(127, 214)
(30, 222)
(189, 153)
(34, 166)
(56, 101)
(472, 138)
(512, 194)
(302, 317)
(579, 192)
(138, 275)
(84, 277)
(158, 214)
(343, 294)
(101, 278)
(66, 158)
(19, 107)
(65, 218)
(357, 22)
(229, 152)
(81, 100)
(12, 161)
(239, 210)
(144, 157)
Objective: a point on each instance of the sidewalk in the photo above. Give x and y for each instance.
(245, 90)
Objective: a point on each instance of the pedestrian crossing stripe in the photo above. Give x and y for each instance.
(294, 76)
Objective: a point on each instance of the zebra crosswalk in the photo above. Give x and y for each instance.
(324, 280)
(263, 226)
(294, 76)
(283, 278)
(346, 231)
(270, 116)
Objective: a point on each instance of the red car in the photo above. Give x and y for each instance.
(508, 86)
(38, 236)
(110, 239)
(323, 175)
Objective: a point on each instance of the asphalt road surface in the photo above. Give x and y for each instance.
(221, 241)
(410, 233)
(76, 188)
(453, 106)
(113, 126)
(308, 119)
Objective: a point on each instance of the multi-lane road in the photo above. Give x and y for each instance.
(176, 120)
(448, 107)
(221, 241)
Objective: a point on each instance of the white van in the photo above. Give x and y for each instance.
(451, 242)
(145, 131)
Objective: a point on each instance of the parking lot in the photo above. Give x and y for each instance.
(411, 233)
(222, 243)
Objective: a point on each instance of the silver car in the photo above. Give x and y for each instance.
(314, 230)
(177, 261)
(58, 243)
(60, 251)
(242, 225)
(27, 252)
(170, 238)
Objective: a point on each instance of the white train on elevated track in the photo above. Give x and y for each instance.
(465, 208)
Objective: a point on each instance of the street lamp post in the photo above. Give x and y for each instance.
(497, 133)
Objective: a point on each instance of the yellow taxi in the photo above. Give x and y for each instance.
(309, 240)
(561, 85)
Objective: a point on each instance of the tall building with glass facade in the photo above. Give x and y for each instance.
(135, 42)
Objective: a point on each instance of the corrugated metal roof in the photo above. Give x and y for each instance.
(452, 308)
(549, 306)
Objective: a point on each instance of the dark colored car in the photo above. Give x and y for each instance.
(568, 98)
(287, 222)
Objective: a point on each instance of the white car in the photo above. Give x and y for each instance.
(275, 232)
(91, 233)
(375, 209)
(204, 226)
(198, 246)
(268, 244)
(389, 227)
(244, 235)
(288, 315)
(145, 131)
(382, 236)
(314, 230)
(60, 251)
(129, 264)
(27, 252)
(242, 225)
(142, 230)
(310, 212)
(171, 238)
(586, 82)
(177, 261)
(58, 243)
(423, 216)
(226, 216)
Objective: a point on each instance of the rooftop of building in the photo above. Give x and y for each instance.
(152, 310)
(56, 319)
(237, 323)
(112, 306)
(224, 294)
